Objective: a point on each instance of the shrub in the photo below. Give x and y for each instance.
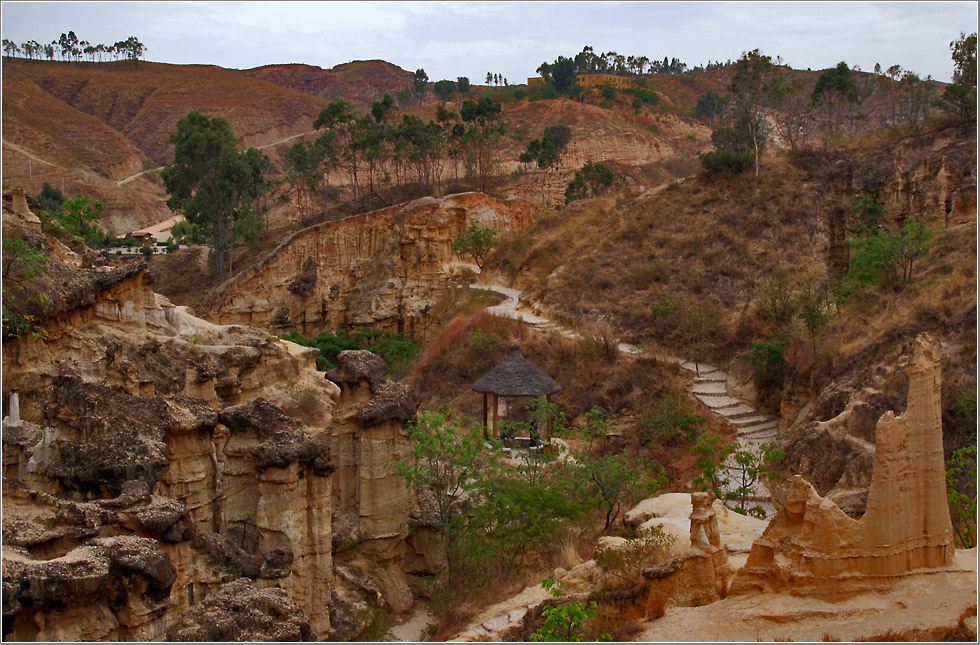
(883, 257)
(648, 547)
(726, 161)
(671, 420)
(961, 492)
(399, 351)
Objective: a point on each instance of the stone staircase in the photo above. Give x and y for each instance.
(752, 428)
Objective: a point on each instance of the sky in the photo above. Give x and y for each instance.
(451, 39)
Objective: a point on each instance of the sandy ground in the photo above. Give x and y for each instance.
(924, 601)
(412, 629)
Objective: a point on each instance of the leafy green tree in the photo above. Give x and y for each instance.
(444, 89)
(731, 471)
(836, 93)
(814, 304)
(305, 160)
(592, 180)
(709, 106)
(51, 199)
(961, 492)
(78, 217)
(755, 80)
(561, 76)
(463, 85)
(210, 181)
(22, 266)
(670, 420)
(450, 458)
(560, 136)
(482, 137)
(563, 623)
(341, 142)
(517, 519)
(475, 240)
(382, 109)
(882, 256)
(960, 96)
(612, 479)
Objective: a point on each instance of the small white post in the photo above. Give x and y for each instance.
(14, 407)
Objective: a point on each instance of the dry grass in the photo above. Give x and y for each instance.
(656, 605)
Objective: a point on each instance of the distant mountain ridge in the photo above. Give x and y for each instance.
(358, 82)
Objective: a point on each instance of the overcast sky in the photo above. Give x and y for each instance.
(450, 39)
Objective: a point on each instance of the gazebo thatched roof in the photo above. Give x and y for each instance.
(516, 376)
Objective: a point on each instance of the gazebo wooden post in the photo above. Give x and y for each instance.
(547, 421)
(494, 427)
(485, 429)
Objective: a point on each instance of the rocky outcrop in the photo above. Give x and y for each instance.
(237, 611)
(384, 269)
(151, 459)
(114, 588)
(812, 545)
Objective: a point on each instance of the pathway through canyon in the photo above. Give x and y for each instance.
(753, 428)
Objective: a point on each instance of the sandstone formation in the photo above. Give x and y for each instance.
(813, 547)
(698, 574)
(370, 501)
(384, 269)
(151, 459)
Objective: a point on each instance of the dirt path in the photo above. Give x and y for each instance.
(413, 629)
(28, 154)
(289, 138)
(129, 178)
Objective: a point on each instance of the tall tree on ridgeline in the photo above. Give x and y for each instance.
(419, 82)
(755, 82)
(210, 181)
(835, 93)
(960, 96)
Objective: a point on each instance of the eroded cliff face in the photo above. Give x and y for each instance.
(151, 459)
(384, 269)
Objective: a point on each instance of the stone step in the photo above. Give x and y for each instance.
(716, 377)
(738, 412)
(767, 426)
(718, 402)
(741, 422)
(699, 369)
(757, 439)
(711, 388)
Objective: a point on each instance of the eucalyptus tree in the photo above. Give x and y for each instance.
(755, 81)
(209, 181)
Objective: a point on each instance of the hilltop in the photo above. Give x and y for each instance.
(357, 82)
(95, 127)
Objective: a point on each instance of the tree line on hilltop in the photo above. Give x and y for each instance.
(763, 96)
(70, 48)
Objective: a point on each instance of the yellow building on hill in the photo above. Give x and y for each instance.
(591, 79)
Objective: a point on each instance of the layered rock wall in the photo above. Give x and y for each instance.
(383, 269)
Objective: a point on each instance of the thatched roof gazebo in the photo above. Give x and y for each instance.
(515, 376)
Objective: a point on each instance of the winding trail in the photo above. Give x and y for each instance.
(753, 428)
